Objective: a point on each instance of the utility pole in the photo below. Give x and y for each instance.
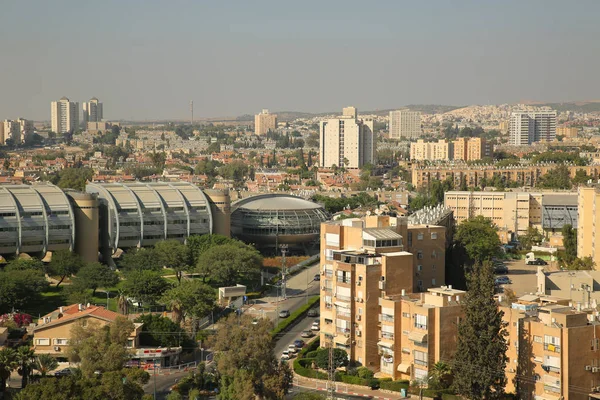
(331, 372)
(283, 270)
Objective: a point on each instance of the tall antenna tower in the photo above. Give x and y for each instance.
(283, 270)
(192, 111)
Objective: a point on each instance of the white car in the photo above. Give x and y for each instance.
(285, 355)
(315, 327)
(292, 349)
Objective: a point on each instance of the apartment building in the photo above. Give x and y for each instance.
(92, 112)
(418, 330)
(264, 122)
(514, 212)
(346, 141)
(363, 259)
(470, 149)
(588, 234)
(567, 131)
(553, 349)
(582, 288)
(434, 151)
(350, 111)
(405, 124)
(16, 131)
(527, 127)
(64, 115)
(524, 175)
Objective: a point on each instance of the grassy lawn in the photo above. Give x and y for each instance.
(49, 301)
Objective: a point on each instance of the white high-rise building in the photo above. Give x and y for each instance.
(405, 124)
(347, 141)
(15, 130)
(64, 115)
(527, 127)
(92, 111)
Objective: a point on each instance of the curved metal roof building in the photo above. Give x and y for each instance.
(272, 219)
(141, 214)
(35, 219)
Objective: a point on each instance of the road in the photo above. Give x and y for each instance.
(163, 383)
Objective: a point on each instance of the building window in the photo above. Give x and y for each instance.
(537, 339)
(419, 268)
(406, 315)
(419, 236)
(42, 342)
(130, 343)
(433, 235)
(433, 281)
(61, 342)
(420, 359)
(420, 321)
(419, 255)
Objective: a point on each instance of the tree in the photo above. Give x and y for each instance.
(8, 363)
(531, 238)
(340, 358)
(45, 363)
(480, 358)
(95, 275)
(145, 286)
(74, 178)
(246, 360)
(570, 242)
(26, 360)
(20, 287)
(161, 331)
(441, 376)
(173, 254)
(198, 244)
(64, 263)
(556, 178)
(190, 298)
(230, 264)
(140, 259)
(100, 348)
(582, 264)
(478, 236)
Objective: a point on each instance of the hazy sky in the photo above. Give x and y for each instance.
(146, 59)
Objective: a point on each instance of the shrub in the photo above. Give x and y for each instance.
(394, 385)
(365, 373)
(312, 354)
(307, 372)
(286, 323)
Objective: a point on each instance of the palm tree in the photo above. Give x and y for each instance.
(441, 375)
(173, 302)
(122, 303)
(8, 363)
(45, 363)
(26, 360)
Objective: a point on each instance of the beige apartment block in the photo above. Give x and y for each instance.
(567, 131)
(434, 151)
(363, 260)
(470, 149)
(553, 349)
(418, 330)
(264, 122)
(524, 175)
(405, 124)
(350, 111)
(64, 115)
(588, 232)
(515, 212)
(347, 142)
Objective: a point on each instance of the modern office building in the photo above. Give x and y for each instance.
(270, 220)
(264, 122)
(92, 111)
(405, 124)
(527, 127)
(431, 151)
(515, 212)
(347, 141)
(64, 115)
(553, 349)
(141, 214)
(41, 218)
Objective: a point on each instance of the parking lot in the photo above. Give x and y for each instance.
(523, 277)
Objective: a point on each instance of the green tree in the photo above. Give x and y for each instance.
(190, 298)
(581, 177)
(230, 264)
(582, 264)
(198, 244)
(478, 236)
(340, 358)
(20, 287)
(173, 254)
(64, 263)
(145, 286)
(441, 376)
(531, 238)
(556, 178)
(8, 363)
(45, 363)
(100, 348)
(95, 275)
(480, 358)
(26, 361)
(140, 260)
(161, 331)
(74, 178)
(570, 242)
(246, 360)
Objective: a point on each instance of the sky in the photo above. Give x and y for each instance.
(146, 59)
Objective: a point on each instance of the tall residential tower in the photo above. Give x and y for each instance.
(92, 111)
(64, 115)
(405, 124)
(264, 122)
(527, 127)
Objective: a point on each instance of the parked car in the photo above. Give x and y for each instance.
(500, 269)
(307, 334)
(285, 355)
(64, 372)
(299, 343)
(312, 313)
(502, 280)
(536, 261)
(315, 327)
(284, 313)
(317, 277)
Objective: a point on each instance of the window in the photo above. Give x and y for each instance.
(420, 321)
(433, 235)
(537, 339)
(419, 236)
(420, 358)
(130, 343)
(406, 315)
(419, 268)
(433, 281)
(419, 255)
(42, 342)
(61, 342)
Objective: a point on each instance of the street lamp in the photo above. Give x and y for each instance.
(277, 300)
(107, 293)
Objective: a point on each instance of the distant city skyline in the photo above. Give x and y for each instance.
(146, 61)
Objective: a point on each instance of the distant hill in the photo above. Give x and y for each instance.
(576, 106)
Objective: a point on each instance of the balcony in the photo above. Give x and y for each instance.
(343, 298)
(346, 314)
(551, 347)
(387, 335)
(387, 318)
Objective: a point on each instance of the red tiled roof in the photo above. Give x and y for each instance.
(72, 312)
